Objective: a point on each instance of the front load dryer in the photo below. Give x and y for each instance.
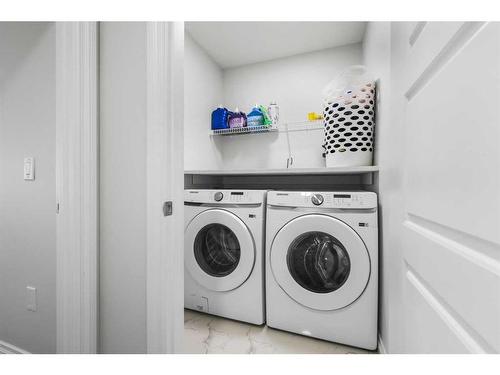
(224, 253)
(322, 265)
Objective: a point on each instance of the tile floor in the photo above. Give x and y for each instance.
(205, 333)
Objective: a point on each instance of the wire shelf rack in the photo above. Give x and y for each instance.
(244, 130)
(283, 128)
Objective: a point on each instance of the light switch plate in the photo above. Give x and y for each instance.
(29, 169)
(31, 298)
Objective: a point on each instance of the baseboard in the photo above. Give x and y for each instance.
(6, 348)
(381, 347)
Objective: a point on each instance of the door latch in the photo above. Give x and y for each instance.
(167, 208)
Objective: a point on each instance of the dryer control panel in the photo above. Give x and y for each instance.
(331, 199)
(225, 196)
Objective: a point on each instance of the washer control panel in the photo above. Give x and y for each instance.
(225, 196)
(331, 199)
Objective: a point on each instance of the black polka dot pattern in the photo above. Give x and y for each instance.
(349, 122)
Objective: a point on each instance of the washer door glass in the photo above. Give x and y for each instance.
(217, 250)
(318, 262)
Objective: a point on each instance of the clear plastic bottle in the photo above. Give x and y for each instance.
(274, 113)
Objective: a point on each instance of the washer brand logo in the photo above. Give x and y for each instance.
(363, 224)
(193, 192)
(252, 216)
(284, 194)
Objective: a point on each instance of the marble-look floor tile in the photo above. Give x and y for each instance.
(205, 333)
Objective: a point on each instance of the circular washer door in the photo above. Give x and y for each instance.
(320, 262)
(219, 250)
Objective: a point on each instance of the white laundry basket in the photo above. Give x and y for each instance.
(349, 120)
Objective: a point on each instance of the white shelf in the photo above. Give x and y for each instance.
(245, 130)
(289, 171)
(282, 128)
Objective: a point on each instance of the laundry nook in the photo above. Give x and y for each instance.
(308, 190)
(240, 184)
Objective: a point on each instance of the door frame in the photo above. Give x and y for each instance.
(165, 183)
(77, 187)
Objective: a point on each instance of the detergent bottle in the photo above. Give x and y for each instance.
(237, 119)
(220, 118)
(255, 117)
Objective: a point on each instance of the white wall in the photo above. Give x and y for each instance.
(123, 187)
(388, 153)
(203, 92)
(294, 82)
(27, 208)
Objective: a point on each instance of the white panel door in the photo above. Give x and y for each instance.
(448, 75)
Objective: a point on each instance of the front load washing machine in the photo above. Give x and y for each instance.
(224, 253)
(322, 265)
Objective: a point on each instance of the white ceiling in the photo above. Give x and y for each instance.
(232, 44)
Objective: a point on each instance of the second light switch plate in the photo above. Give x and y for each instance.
(29, 169)
(31, 304)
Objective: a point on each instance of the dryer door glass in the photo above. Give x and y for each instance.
(217, 250)
(318, 262)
